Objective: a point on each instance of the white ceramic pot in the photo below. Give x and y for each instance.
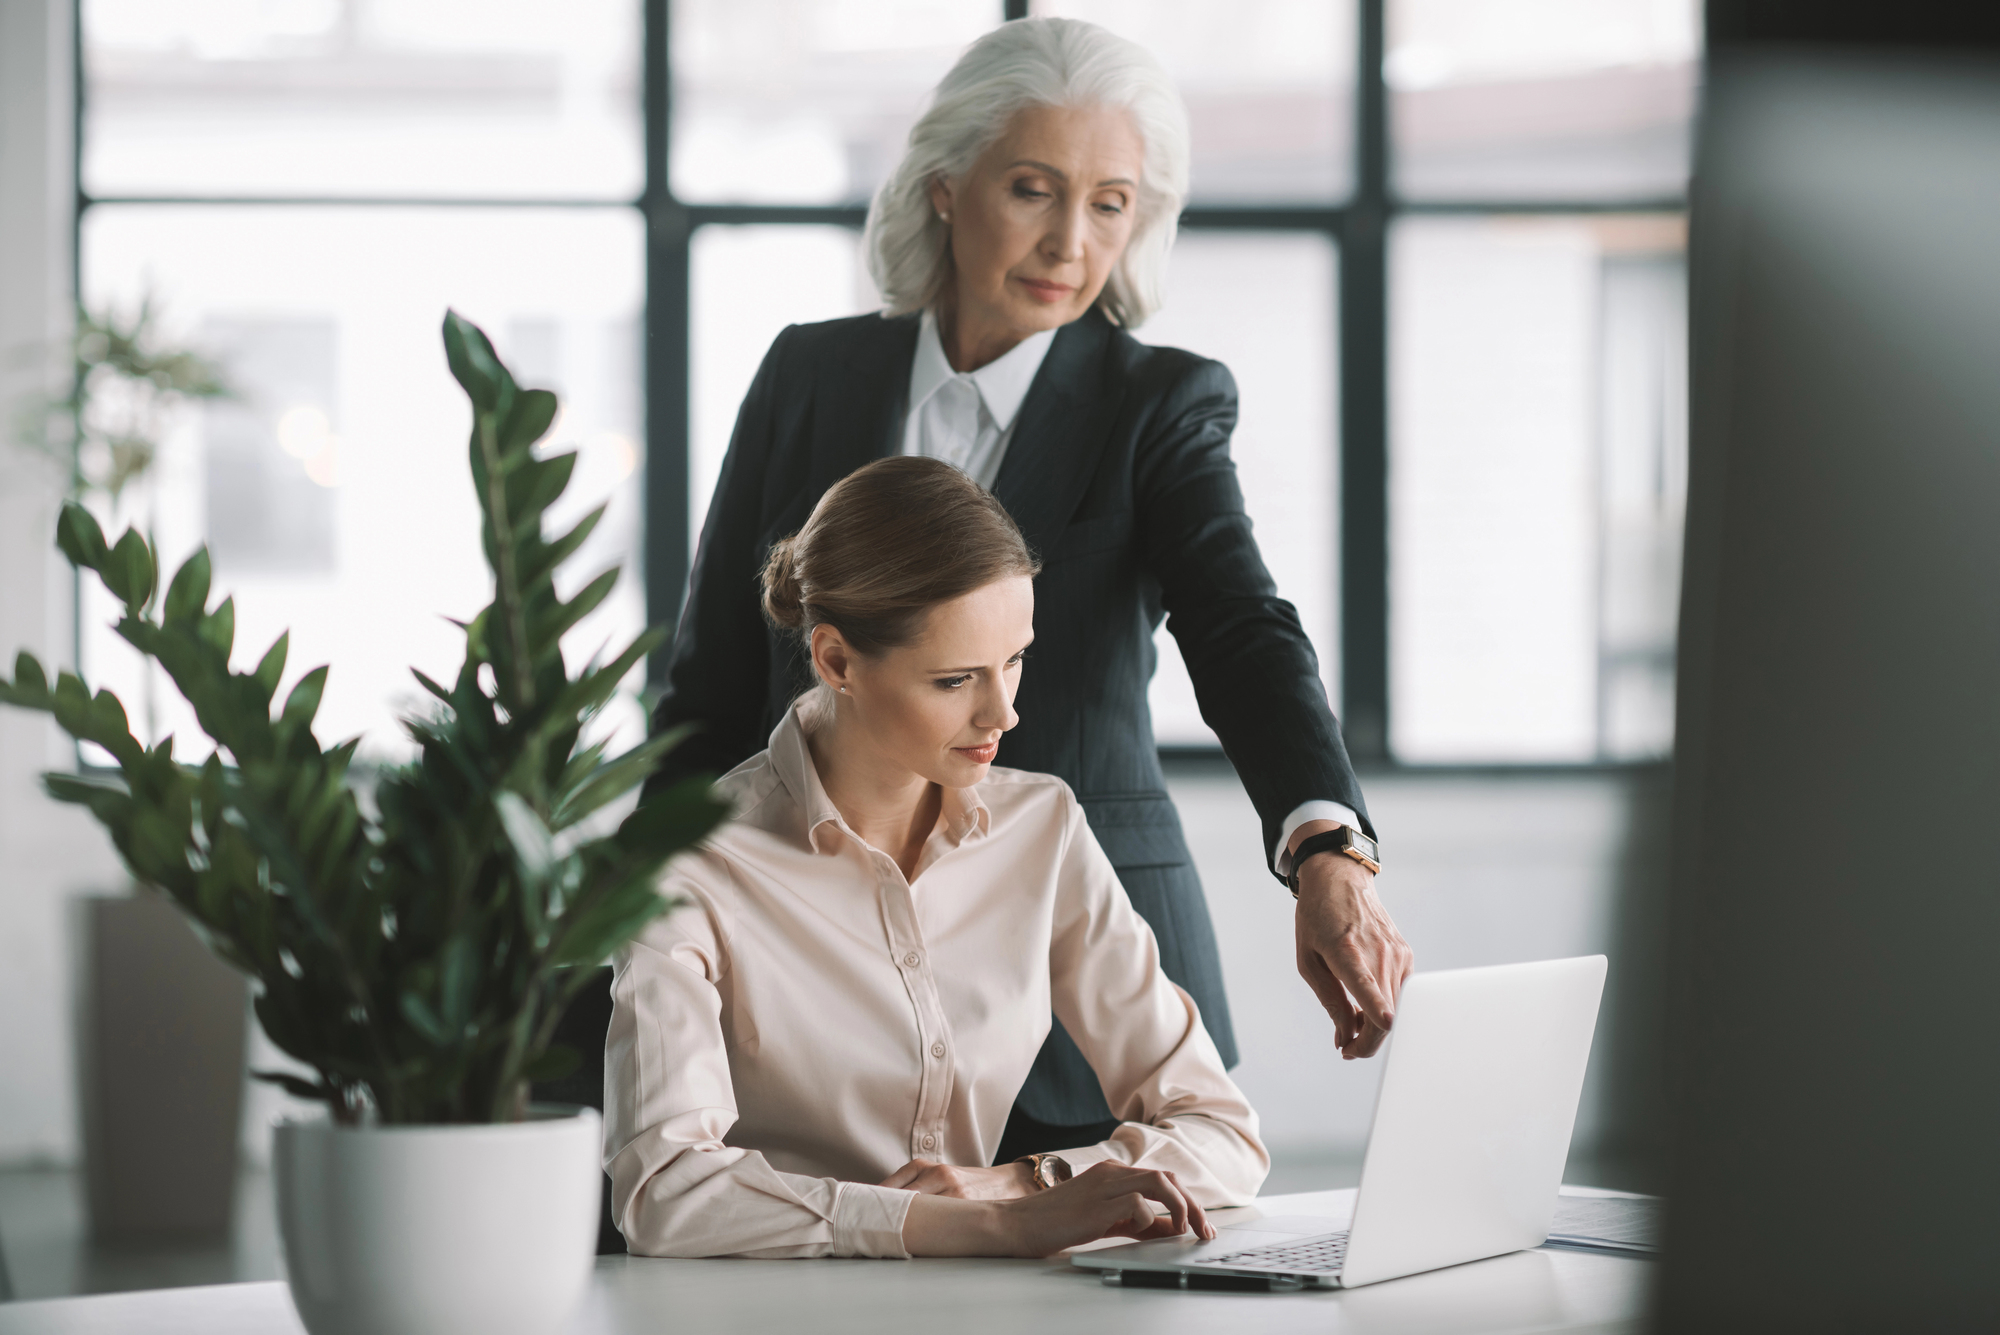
(438, 1230)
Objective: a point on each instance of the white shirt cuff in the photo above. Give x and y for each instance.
(1339, 814)
(868, 1220)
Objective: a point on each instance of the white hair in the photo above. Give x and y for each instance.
(1027, 63)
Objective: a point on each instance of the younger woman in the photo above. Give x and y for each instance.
(817, 1055)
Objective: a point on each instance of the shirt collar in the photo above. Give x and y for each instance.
(964, 813)
(1003, 383)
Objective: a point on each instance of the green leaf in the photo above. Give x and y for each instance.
(424, 1020)
(271, 668)
(431, 686)
(534, 848)
(303, 703)
(473, 362)
(554, 1064)
(613, 780)
(576, 609)
(72, 705)
(218, 629)
(187, 596)
(559, 550)
(80, 538)
(458, 981)
(534, 410)
(670, 821)
(29, 689)
(533, 487)
(128, 571)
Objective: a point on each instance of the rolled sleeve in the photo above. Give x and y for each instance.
(868, 1221)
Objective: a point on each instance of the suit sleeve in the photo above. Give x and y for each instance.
(1255, 674)
(719, 666)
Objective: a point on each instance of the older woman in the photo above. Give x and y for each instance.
(1025, 232)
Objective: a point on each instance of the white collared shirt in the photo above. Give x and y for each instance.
(967, 419)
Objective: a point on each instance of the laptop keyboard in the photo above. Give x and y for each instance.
(1321, 1255)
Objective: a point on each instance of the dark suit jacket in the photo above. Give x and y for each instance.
(1119, 476)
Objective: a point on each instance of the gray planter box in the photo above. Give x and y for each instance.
(160, 1034)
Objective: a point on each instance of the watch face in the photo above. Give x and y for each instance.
(1361, 843)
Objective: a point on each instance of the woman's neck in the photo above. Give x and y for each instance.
(970, 343)
(893, 808)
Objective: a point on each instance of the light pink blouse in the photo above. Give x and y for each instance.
(810, 1021)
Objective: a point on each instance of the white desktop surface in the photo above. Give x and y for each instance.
(1527, 1291)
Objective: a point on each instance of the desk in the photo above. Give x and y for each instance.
(1538, 1290)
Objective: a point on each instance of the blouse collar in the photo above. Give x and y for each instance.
(963, 814)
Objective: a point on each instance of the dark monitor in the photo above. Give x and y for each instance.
(1836, 910)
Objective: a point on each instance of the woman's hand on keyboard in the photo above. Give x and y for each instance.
(1106, 1200)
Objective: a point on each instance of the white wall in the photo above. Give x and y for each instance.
(46, 851)
(1480, 869)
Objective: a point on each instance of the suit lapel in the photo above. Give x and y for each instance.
(1060, 433)
(859, 401)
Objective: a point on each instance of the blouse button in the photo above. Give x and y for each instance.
(910, 960)
(937, 1049)
(930, 1142)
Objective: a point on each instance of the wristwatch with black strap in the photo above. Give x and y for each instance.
(1346, 841)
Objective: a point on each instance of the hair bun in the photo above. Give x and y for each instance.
(784, 599)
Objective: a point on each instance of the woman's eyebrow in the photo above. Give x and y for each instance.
(1062, 175)
(957, 671)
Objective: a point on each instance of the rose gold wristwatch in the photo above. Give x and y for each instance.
(1049, 1170)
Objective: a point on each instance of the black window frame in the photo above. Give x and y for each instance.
(1358, 227)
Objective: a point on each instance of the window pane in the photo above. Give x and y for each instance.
(1542, 99)
(805, 101)
(1285, 447)
(334, 490)
(1269, 87)
(363, 97)
(747, 284)
(1537, 483)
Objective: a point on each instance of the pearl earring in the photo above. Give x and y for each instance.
(843, 690)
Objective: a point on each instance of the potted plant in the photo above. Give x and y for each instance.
(416, 951)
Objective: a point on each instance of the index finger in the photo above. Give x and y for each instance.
(1167, 1192)
(1197, 1217)
(1377, 1006)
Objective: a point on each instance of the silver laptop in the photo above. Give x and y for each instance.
(1465, 1158)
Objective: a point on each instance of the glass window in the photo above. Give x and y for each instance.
(1269, 87)
(1542, 99)
(1537, 482)
(805, 101)
(333, 489)
(747, 284)
(1286, 447)
(363, 97)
